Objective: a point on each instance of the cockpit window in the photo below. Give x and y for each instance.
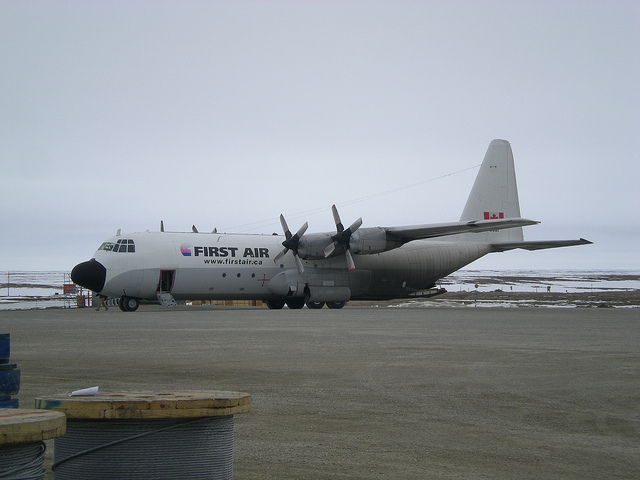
(124, 245)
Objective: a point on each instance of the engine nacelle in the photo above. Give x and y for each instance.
(312, 246)
(371, 240)
(364, 241)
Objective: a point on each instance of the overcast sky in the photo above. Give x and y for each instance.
(226, 114)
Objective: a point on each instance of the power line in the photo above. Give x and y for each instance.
(307, 213)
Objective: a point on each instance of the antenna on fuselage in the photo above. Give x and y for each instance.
(161, 226)
(194, 229)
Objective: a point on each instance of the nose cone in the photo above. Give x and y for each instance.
(91, 275)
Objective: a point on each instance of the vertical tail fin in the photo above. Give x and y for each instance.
(495, 194)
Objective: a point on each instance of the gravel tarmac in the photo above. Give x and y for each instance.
(364, 392)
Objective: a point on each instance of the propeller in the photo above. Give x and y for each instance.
(291, 242)
(342, 238)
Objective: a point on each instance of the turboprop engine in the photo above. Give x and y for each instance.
(317, 246)
(363, 242)
(372, 240)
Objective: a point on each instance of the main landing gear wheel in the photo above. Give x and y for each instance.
(334, 305)
(295, 303)
(128, 304)
(275, 304)
(315, 305)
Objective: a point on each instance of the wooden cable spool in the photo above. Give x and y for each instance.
(146, 435)
(22, 435)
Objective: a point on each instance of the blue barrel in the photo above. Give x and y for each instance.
(9, 379)
(9, 374)
(5, 350)
(8, 402)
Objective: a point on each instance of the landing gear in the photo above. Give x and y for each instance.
(315, 305)
(275, 304)
(299, 302)
(128, 304)
(295, 303)
(334, 305)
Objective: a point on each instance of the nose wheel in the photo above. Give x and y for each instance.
(128, 304)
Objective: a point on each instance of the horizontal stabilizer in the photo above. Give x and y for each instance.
(540, 245)
(417, 232)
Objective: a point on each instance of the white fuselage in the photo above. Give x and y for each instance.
(197, 266)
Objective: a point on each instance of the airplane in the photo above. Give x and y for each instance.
(315, 269)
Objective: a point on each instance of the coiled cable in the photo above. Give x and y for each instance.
(22, 462)
(146, 449)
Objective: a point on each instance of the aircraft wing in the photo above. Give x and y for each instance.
(539, 245)
(416, 232)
